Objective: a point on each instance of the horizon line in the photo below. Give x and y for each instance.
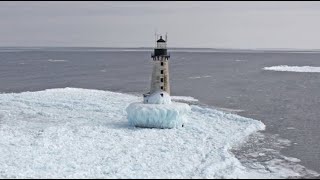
(141, 47)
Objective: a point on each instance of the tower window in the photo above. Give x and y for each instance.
(161, 79)
(161, 63)
(161, 87)
(161, 71)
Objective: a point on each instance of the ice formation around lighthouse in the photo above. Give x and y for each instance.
(172, 115)
(82, 133)
(158, 111)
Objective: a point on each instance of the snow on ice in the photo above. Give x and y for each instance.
(159, 97)
(80, 133)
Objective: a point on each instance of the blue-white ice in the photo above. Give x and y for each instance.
(172, 115)
(158, 111)
(80, 133)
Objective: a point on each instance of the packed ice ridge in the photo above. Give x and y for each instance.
(81, 133)
(294, 68)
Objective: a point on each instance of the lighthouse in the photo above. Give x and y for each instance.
(157, 110)
(160, 72)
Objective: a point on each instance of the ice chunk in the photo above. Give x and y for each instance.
(157, 115)
(184, 98)
(294, 68)
(56, 60)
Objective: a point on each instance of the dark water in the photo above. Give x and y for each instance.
(287, 102)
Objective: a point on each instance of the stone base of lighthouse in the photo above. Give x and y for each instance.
(158, 112)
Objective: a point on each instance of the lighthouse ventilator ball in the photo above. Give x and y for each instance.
(158, 111)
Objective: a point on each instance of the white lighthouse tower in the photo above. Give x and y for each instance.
(160, 73)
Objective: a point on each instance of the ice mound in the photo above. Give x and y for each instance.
(157, 111)
(81, 133)
(171, 115)
(293, 68)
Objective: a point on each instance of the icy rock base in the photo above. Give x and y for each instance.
(157, 115)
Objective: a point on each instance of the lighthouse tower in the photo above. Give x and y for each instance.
(157, 110)
(160, 72)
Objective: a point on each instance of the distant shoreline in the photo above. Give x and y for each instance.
(150, 48)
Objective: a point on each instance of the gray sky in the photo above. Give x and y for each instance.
(189, 24)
